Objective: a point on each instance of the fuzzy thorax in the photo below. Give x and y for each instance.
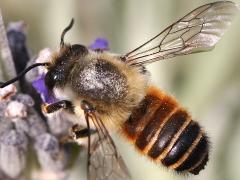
(136, 86)
(112, 87)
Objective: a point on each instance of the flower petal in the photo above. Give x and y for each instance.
(41, 88)
(100, 44)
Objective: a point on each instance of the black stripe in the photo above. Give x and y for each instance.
(196, 155)
(132, 124)
(184, 142)
(196, 170)
(168, 131)
(151, 128)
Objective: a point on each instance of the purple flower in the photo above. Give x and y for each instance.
(41, 88)
(99, 44)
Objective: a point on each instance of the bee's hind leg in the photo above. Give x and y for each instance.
(63, 104)
(78, 131)
(78, 134)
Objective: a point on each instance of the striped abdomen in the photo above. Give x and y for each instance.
(165, 132)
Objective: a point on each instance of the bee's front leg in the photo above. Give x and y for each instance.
(63, 104)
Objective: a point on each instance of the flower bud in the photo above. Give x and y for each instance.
(13, 148)
(24, 99)
(59, 124)
(50, 155)
(36, 125)
(16, 109)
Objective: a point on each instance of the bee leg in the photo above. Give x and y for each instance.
(78, 131)
(87, 108)
(88, 111)
(63, 104)
(77, 134)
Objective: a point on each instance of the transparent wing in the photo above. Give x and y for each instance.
(197, 31)
(104, 161)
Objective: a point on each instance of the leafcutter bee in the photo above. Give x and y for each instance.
(115, 91)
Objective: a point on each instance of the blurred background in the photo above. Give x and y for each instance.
(207, 84)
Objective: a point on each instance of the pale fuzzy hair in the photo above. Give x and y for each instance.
(137, 84)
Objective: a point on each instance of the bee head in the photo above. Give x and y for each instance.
(61, 66)
(58, 72)
(59, 69)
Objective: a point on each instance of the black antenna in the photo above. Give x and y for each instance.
(65, 31)
(4, 84)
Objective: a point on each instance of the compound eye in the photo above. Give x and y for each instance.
(50, 80)
(54, 77)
